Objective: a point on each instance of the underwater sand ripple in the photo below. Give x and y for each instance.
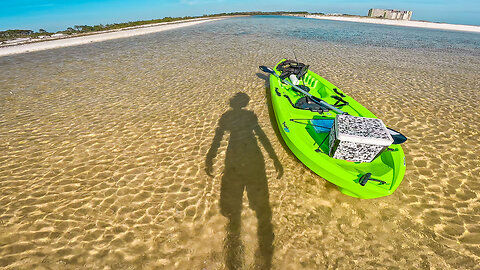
(103, 157)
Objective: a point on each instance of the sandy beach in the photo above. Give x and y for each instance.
(431, 25)
(100, 36)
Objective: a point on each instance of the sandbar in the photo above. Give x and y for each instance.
(421, 24)
(100, 36)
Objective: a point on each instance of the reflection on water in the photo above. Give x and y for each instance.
(102, 153)
(244, 171)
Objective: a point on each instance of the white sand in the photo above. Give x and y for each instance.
(99, 36)
(443, 26)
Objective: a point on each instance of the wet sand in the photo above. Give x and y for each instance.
(420, 24)
(104, 149)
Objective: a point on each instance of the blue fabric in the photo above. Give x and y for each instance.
(322, 125)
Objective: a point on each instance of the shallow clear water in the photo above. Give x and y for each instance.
(103, 151)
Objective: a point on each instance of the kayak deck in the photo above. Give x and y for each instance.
(310, 143)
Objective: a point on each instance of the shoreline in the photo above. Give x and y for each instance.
(419, 24)
(67, 41)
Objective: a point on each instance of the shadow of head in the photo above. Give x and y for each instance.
(239, 101)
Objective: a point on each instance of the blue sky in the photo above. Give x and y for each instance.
(57, 15)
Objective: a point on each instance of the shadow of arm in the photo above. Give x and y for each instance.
(212, 152)
(268, 147)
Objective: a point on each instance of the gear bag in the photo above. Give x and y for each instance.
(289, 67)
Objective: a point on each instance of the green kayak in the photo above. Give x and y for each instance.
(305, 129)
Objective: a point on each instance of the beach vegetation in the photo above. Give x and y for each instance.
(18, 33)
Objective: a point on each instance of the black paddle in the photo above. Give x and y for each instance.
(398, 138)
(313, 98)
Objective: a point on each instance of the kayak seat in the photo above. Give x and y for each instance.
(305, 103)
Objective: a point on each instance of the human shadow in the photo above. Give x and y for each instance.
(271, 112)
(244, 171)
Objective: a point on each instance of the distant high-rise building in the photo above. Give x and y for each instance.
(390, 14)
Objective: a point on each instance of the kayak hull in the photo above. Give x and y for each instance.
(311, 146)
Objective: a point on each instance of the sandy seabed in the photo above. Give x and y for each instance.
(104, 150)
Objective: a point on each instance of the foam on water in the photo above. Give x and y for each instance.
(103, 150)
